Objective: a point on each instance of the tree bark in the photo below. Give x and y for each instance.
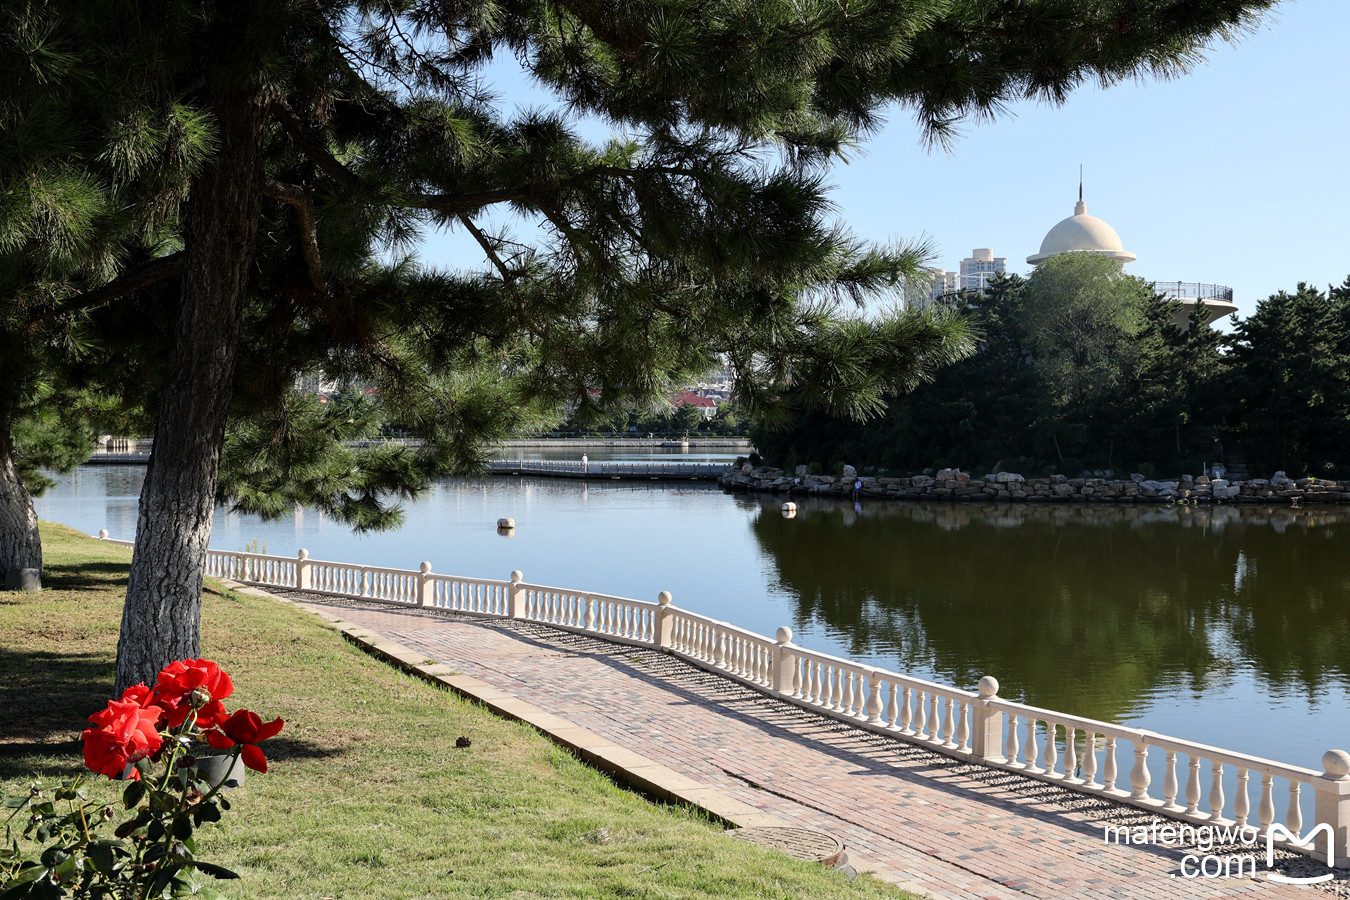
(20, 542)
(161, 620)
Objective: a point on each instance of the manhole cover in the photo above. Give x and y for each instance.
(799, 843)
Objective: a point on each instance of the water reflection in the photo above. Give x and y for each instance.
(1089, 610)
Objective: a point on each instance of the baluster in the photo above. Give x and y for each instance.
(1170, 781)
(948, 726)
(837, 690)
(920, 714)
(892, 702)
(1033, 754)
(720, 648)
(1071, 754)
(906, 713)
(1265, 812)
(1109, 765)
(1294, 820)
(1216, 797)
(963, 726)
(1139, 777)
(1193, 786)
(1090, 760)
(1241, 803)
(1051, 749)
(1010, 747)
(934, 723)
(873, 700)
(590, 613)
(796, 676)
(846, 707)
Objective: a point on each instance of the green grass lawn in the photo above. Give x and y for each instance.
(367, 795)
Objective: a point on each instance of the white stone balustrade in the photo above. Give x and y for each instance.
(1083, 754)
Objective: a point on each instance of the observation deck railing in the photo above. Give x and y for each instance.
(1193, 290)
(1078, 753)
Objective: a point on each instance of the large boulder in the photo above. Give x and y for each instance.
(850, 472)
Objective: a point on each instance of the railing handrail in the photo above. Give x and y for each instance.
(965, 724)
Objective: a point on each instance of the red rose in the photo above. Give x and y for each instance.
(246, 728)
(138, 694)
(126, 732)
(188, 683)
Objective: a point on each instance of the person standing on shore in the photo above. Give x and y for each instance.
(585, 464)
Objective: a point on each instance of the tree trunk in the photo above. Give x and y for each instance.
(161, 620)
(20, 542)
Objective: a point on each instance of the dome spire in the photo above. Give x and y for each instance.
(1080, 207)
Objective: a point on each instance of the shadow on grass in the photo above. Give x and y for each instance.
(45, 699)
(41, 762)
(84, 576)
(48, 696)
(58, 759)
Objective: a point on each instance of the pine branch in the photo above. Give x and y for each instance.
(311, 147)
(130, 281)
(303, 201)
(507, 275)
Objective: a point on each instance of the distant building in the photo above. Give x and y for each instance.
(974, 275)
(978, 268)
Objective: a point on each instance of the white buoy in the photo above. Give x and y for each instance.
(789, 507)
(506, 522)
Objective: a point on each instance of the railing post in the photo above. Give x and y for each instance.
(664, 627)
(426, 588)
(304, 571)
(517, 598)
(986, 738)
(1332, 806)
(784, 662)
(1139, 777)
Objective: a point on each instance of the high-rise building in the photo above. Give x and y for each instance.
(974, 275)
(978, 268)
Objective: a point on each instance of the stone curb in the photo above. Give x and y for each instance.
(633, 769)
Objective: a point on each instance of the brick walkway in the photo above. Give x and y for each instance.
(930, 823)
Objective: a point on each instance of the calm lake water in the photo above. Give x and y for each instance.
(1229, 625)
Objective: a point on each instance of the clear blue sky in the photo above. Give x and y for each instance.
(1236, 173)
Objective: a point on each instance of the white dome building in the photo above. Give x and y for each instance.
(1082, 233)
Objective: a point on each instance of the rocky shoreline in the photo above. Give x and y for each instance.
(954, 484)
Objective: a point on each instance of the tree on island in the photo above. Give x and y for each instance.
(1290, 370)
(1078, 364)
(1085, 318)
(700, 229)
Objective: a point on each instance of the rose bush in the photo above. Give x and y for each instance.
(153, 737)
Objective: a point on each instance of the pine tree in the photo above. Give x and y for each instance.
(699, 232)
(1289, 367)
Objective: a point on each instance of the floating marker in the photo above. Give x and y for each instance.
(506, 522)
